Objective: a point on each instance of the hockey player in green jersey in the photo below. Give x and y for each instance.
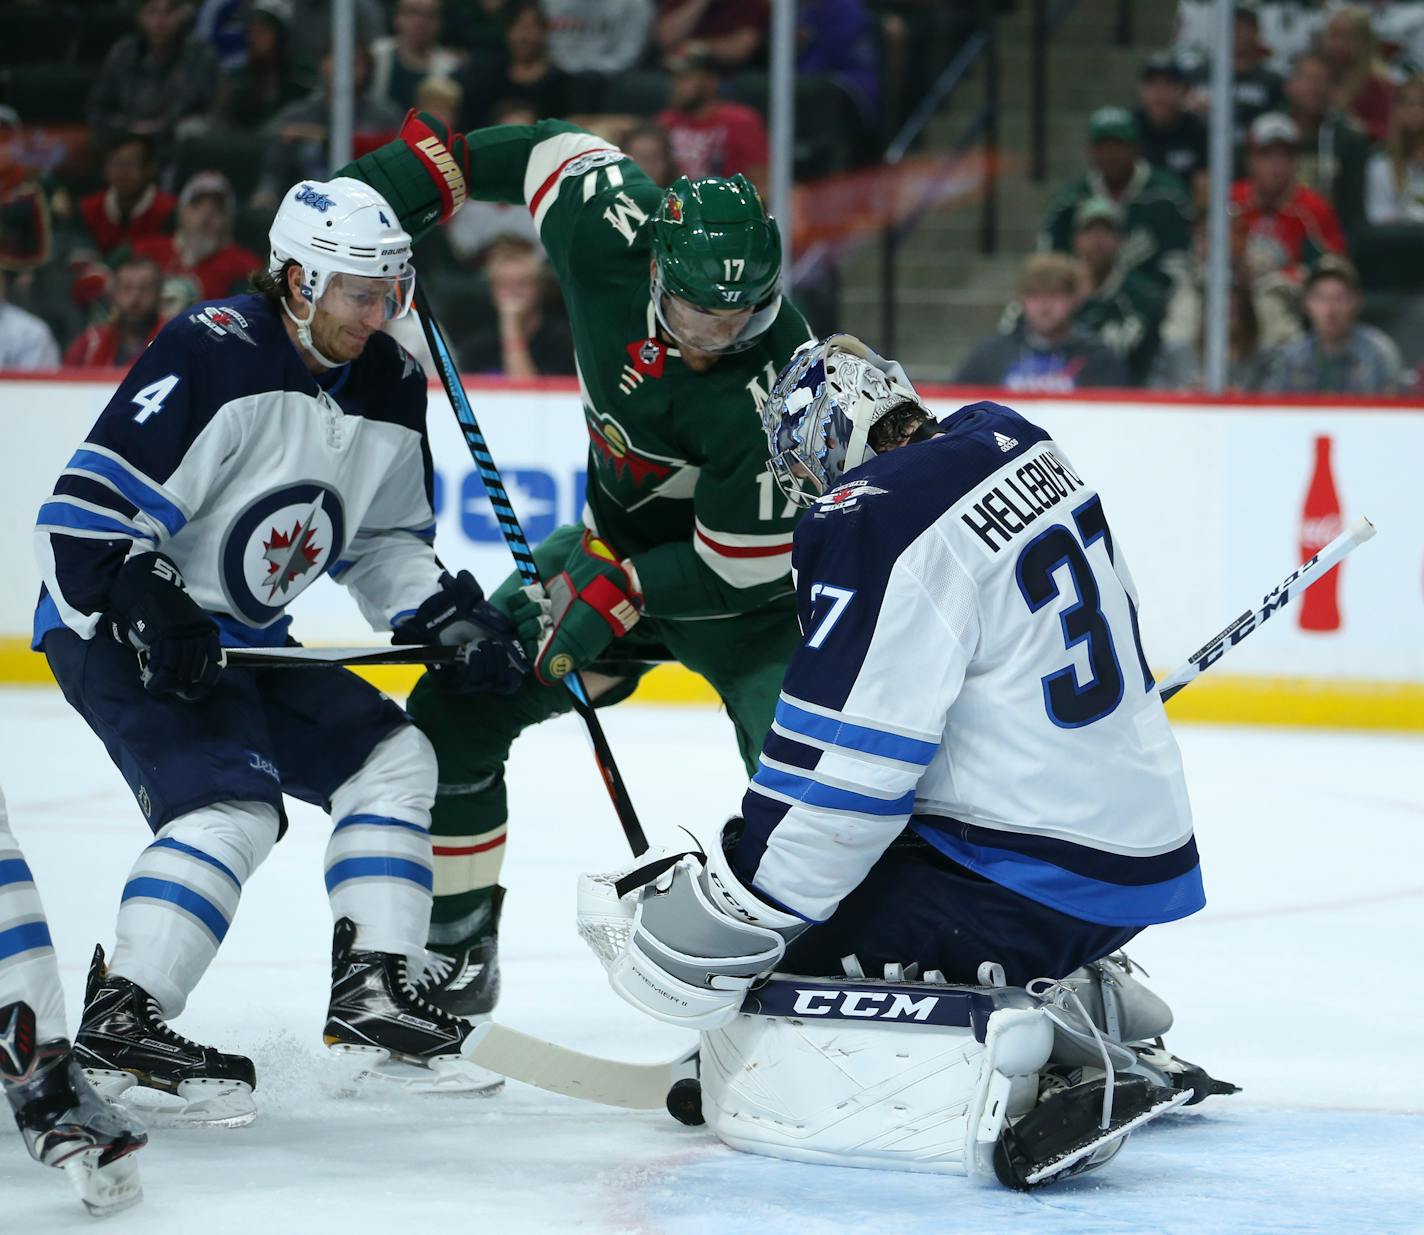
(679, 330)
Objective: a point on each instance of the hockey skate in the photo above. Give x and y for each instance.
(1073, 1130)
(64, 1122)
(464, 979)
(123, 1042)
(1133, 1020)
(379, 1020)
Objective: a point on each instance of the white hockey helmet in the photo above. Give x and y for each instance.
(821, 410)
(343, 227)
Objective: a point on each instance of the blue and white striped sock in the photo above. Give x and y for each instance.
(378, 862)
(379, 874)
(28, 971)
(182, 893)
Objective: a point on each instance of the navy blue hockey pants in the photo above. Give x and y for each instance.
(258, 735)
(917, 905)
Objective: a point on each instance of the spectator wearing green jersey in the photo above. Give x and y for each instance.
(1123, 308)
(1155, 205)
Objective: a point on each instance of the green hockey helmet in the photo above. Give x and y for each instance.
(717, 264)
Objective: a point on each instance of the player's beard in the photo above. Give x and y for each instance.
(337, 340)
(698, 362)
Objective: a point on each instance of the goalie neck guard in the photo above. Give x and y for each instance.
(344, 228)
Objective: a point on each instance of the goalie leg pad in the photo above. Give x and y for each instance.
(842, 1085)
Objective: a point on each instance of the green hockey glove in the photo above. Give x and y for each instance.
(424, 173)
(594, 600)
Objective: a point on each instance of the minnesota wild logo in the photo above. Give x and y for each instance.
(611, 444)
(672, 207)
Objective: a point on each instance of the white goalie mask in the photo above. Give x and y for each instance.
(355, 256)
(821, 410)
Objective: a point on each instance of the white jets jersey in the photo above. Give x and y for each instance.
(971, 668)
(221, 450)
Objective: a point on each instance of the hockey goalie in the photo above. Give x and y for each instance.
(905, 952)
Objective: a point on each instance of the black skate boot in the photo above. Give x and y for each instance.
(64, 1122)
(124, 1041)
(379, 1016)
(463, 979)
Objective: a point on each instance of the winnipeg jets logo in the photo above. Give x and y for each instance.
(278, 546)
(288, 558)
(846, 497)
(223, 322)
(317, 200)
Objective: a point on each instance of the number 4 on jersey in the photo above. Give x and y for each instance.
(149, 400)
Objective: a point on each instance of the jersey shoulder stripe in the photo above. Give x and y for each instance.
(560, 158)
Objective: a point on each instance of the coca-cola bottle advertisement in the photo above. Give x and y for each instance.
(1320, 523)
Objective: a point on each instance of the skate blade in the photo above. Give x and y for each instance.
(444, 1074)
(107, 1189)
(197, 1103)
(1112, 1139)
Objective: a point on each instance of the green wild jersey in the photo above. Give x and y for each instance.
(677, 477)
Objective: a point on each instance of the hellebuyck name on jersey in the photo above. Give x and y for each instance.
(971, 669)
(221, 450)
(1014, 502)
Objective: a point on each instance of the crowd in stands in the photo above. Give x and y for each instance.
(1328, 121)
(140, 163)
(149, 180)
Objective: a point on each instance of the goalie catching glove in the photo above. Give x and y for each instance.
(424, 173)
(681, 937)
(594, 600)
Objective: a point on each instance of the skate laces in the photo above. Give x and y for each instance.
(1055, 993)
(438, 967)
(161, 1028)
(413, 991)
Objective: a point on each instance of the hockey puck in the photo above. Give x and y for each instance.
(684, 1102)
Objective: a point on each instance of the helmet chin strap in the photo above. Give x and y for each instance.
(303, 325)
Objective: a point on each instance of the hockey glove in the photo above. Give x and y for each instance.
(595, 600)
(424, 173)
(458, 615)
(681, 937)
(177, 643)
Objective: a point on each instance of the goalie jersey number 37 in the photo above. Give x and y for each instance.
(971, 667)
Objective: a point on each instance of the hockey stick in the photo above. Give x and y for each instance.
(557, 1069)
(306, 658)
(546, 1065)
(1297, 581)
(524, 561)
(405, 654)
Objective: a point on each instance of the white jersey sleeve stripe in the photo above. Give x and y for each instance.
(743, 560)
(544, 173)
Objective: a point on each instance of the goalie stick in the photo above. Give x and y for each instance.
(546, 1065)
(1294, 583)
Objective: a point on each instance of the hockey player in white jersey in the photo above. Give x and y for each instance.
(64, 1122)
(256, 445)
(970, 776)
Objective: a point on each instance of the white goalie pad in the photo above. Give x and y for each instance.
(899, 1076)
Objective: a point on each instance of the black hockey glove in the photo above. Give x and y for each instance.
(177, 643)
(458, 615)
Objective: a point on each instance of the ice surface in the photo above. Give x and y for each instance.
(1300, 981)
